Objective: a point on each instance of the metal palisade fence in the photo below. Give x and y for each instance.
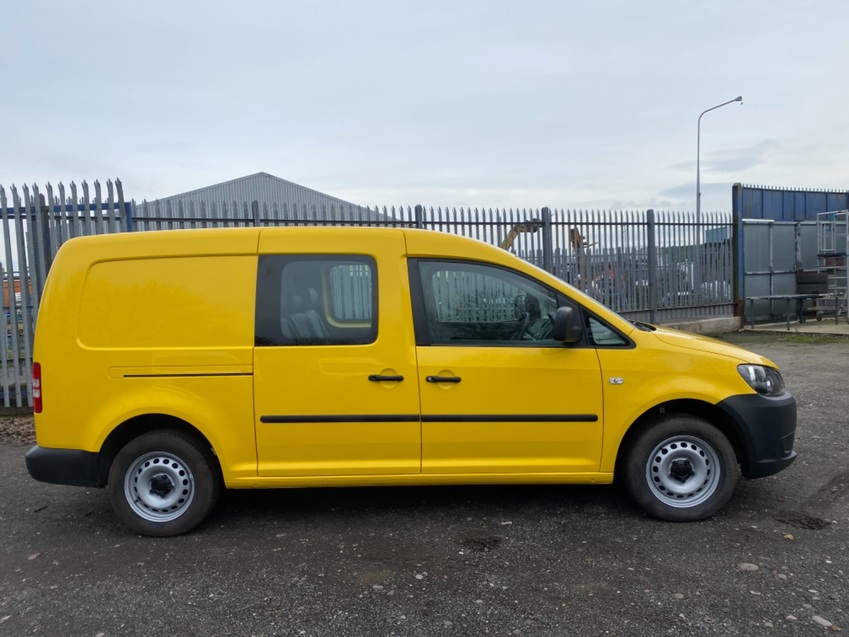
(647, 265)
(655, 266)
(34, 224)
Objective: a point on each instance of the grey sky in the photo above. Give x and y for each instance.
(477, 103)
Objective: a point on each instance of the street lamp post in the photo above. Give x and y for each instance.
(739, 98)
(697, 252)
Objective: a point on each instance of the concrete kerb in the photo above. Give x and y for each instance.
(724, 325)
(715, 325)
(812, 328)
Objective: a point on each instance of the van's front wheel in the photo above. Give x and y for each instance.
(163, 483)
(681, 468)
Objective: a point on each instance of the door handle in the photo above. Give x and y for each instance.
(443, 379)
(379, 378)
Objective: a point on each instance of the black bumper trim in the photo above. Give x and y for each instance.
(766, 426)
(63, 466)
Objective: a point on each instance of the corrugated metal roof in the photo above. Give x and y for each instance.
(267, 190)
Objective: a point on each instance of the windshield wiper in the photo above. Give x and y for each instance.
(645, 327)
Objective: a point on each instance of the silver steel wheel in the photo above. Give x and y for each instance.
(683, 471)
(159, 486)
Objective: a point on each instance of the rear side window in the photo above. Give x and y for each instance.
(316, 300)
(351, 292)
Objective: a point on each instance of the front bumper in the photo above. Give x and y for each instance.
(766, 426)
(63, 466)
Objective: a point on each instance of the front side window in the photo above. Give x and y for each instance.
(468, 303)
(602, 335)
(316, 300)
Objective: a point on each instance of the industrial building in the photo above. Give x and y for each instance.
(261, 197)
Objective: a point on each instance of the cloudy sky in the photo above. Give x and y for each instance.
(475, 103)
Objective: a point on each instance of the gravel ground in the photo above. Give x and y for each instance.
(467, 561)
(16, 430)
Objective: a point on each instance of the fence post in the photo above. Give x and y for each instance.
(36, 217)
(652, 253)
(738, 265)
(46, 248)
(419, 217)
(547, 241)
(255, 212)
(129, 208)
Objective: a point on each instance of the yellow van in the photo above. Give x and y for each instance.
(170, 365)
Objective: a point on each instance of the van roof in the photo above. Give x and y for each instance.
(246, 240)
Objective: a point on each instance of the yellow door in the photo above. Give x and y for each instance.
(334, 364)
(498, 394)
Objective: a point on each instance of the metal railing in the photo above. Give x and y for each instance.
(655, 266)
(34, 224)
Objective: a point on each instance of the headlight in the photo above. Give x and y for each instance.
(764, 380)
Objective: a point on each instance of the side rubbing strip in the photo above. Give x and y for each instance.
(342, 418)
(511, 418)
(190, 375)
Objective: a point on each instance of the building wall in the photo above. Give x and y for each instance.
(785, 204)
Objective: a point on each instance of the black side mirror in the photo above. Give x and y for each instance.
(567, 326)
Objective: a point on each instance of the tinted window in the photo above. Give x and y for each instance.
(475, 304)
(351, 292)
(307, 300)
(603, 336)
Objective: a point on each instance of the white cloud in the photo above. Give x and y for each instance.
(482, 103)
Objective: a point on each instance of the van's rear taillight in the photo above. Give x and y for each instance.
(36, 387)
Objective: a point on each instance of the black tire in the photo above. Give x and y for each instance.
(163, 483)
(680, 468)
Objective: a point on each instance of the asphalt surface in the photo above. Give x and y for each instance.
(453, 561)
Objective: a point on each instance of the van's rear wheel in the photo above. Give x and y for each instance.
(681, 468)
(163, 483)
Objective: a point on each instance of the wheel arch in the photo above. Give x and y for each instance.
(137, 426)
(697, 408)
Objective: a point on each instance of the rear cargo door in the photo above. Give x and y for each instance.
(335, 382)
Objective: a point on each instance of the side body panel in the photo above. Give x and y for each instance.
(653, 373)
(154, 323)
(317, 411)
(516, 410)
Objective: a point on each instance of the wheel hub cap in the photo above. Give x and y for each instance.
(159, 486)
(683, 471)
